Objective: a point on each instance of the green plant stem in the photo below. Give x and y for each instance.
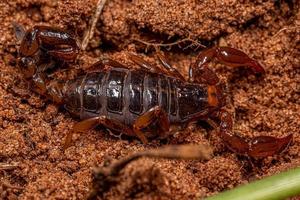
(279, 186)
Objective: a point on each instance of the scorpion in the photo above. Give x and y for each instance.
(141, 102)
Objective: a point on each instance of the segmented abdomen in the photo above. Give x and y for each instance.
(124, 95)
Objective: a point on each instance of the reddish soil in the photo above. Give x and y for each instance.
(32, 130)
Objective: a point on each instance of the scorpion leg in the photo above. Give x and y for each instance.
(170, 70)
(225, 55)
(39, 83)
(144, 64)
(91, 123)
(257, 147)
(154, 120)
(52, 89)
(103, 62)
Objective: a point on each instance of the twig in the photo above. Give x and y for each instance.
(8, 185)
(178, 42)
(90, 32)
(105, 177)
(284, 29)
(5, 166)
(170, 152)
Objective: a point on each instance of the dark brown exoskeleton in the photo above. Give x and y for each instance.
(139, 102)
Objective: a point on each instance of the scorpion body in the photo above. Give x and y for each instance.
(126, 94)
(140, 102)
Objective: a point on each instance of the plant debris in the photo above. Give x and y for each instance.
(106, 176)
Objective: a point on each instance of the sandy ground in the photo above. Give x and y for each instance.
(32, 130)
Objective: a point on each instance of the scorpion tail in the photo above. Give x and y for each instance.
(258, 147)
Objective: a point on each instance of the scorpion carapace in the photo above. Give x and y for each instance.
(140, 102)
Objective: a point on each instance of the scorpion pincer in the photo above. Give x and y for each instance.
(139, 102)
